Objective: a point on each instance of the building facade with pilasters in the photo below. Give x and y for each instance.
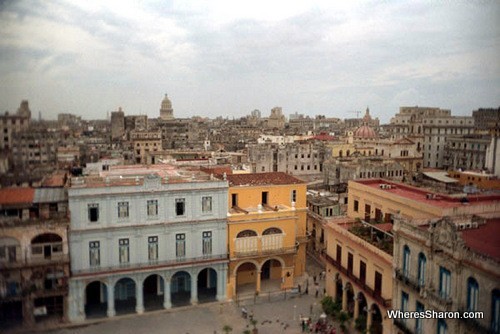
(143, 239)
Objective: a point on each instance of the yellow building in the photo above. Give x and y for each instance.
(379, 200)
(359, 272)
(266, 232)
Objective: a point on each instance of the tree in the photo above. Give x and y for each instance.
(226, 329)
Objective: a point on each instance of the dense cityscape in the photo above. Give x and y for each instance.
(249, 167)
(131, 214)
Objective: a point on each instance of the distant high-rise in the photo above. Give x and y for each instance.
(117, 124)
(166, 111)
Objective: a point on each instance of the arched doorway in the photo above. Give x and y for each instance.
(96, 300)
(377, 321)
(360, 322)
(350, 299)
(246, 278)
(180, 289)
(153, 290)
(125, 300)
(46, 246)
(338, 290)
(270, 275)
(207, 285)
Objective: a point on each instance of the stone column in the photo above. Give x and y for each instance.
(368, 320)
(344, 299)
(166, 294)
(221, 285)
(194, 290)
(356, 308)
(111, 300)
(257, 285)
(139, 300)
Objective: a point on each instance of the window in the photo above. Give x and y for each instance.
(442, 328)
(472, 294)
(356, 206)
(350, 262)
(418, 321)
(122, 209)
(264, 197)
(153, 248)
(180, 206)
(444, 283)
(207, 243)
(339, 254)
(206, 204)
(422, 260)
(180, 245)
(378, 283)
(406, 261)
(94, 253)
(93, 211)
(294, 195)
(234, 200)
(495, 311)
(362, 272)
(153, 208)
(404, 303)
(124, 250)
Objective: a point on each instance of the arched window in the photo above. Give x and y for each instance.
(348, 152)
(406, 261)
(272, 230)
(340, 153)
(246, 234)
(472, 294)
(495, 311)
(422, 261)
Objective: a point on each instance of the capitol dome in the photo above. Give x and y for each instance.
(365, 132)
(166, 103)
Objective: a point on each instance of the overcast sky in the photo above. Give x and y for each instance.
(227, 58)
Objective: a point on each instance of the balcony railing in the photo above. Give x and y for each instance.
(402, 326)
(261, 252)
(474, 325)
(408, 280)
(18, 262)
(371, 292)
(151, 264)
(437, 299)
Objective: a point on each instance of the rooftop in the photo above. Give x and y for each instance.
(260, 179)
(427, 196)
(138, 174)
(485, 239)
(11, 196)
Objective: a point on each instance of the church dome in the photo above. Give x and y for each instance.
(365, 132)
(166, 103)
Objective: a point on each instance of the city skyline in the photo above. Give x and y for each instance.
(226, 59)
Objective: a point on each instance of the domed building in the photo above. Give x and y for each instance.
(166, 111)
(365, 132)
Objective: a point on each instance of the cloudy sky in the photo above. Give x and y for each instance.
(231, 57)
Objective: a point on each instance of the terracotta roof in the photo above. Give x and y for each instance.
(323, 137)
(16, 196)
(258, 179)
(485, 239)
(387, 227)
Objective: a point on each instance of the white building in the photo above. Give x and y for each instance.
(146, 238)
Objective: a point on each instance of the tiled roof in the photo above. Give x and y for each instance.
(9, 196)
(259, 179)
(485, 239)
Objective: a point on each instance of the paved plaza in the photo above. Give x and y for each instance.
(275, 312)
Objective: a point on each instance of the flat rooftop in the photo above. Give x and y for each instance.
(260, 179)
(485, 239)
(138, 174)
(427, 196)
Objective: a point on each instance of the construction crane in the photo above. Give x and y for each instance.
(357, 112)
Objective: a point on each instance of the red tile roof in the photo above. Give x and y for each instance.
(420, 194)
(9, 196)
(260, 179)
(485, 239)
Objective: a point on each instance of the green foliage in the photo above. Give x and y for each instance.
(226, 329)
(330, 307)
(360, 323)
